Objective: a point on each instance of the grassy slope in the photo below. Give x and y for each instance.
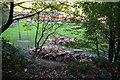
(12, 34)
(72, 33)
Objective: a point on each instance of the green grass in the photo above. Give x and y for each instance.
(12, 34)
(69, 31)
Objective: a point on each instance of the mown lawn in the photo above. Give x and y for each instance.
(13, 34)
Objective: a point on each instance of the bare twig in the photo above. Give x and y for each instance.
(50, 34)
(43, 30)
(37, 32)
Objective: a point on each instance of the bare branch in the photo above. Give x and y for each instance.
(50, 34)
(36, 36)
(51, 26)
(43, 30)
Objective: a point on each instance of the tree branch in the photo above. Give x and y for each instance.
(50, 34)
(20, 3)
(105, 36)
(26, 7)
(32, 14)
(43, 30)
(36, 34)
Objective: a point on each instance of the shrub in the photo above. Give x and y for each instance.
(75, 65)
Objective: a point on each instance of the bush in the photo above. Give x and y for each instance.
(75, 65)
(101, 62)
(100, 59)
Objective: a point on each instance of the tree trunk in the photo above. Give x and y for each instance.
(97, 47)
(36, 34)
(117, 52)
(10, 19)
(111, 51)
(111, 42)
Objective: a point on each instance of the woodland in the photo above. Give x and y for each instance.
(60, 40)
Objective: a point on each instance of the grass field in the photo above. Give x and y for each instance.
(13, 34)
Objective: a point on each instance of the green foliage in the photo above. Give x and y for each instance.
(99, 59)
(5, 12)
(75, 65)
(72, 65)
(77, 45)
(55, 6)
(108, 31)
(103, 74)
(66, 21)
(74, 20)
(100, 68)
(101, 62)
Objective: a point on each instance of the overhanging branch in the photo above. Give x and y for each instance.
(26, 7)
(32, 14)
(20, 3)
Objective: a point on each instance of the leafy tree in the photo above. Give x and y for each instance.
(101, 22)
(109, 11)
(11, 10)
(35, 8)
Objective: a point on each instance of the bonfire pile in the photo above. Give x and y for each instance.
(59, 54)
(60, 41)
